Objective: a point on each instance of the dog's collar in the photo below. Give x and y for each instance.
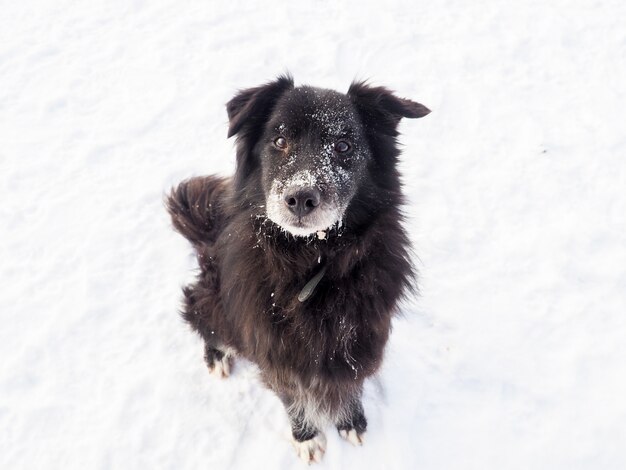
(309, 287)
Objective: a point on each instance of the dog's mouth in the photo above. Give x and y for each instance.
(313, 224)
(300, 224)
(319, 219)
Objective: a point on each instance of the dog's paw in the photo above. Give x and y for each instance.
(218, 362)
(221, 367)
(352, 436)
(311, 450)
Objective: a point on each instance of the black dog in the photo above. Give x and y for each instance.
(302, 253)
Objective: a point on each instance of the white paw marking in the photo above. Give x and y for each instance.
(311, 450)
(352, 436)
(221, 368)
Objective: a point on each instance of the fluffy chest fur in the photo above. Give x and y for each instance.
(340, 331)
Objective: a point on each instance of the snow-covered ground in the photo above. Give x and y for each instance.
(514, 356)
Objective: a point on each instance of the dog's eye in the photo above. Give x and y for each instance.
(280, 142)
(342, 146)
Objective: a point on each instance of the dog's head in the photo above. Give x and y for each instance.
(313, 147)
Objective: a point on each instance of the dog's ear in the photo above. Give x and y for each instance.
(252, 107)
(381, 109)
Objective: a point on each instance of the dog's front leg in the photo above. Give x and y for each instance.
(308, 440)
(353, 424)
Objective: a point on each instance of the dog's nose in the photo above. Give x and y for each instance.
(302, 201)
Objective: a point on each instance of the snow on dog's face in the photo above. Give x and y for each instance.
(310, 150)
(313, 153)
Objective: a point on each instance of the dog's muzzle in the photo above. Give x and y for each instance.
(299, 206)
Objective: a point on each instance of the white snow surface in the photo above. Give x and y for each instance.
(513, 356)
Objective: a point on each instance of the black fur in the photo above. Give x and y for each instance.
(317, 352)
